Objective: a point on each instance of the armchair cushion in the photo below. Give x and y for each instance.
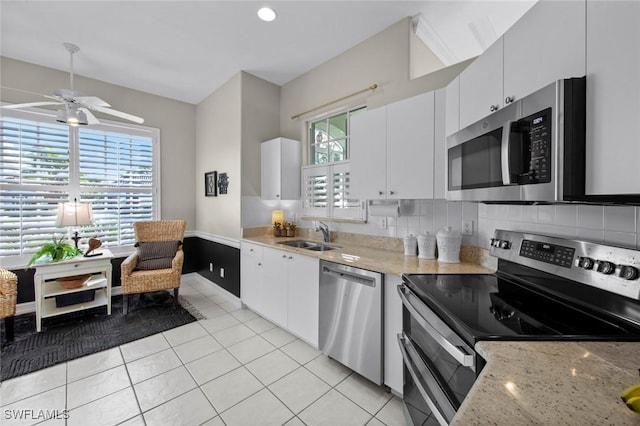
(156, 254)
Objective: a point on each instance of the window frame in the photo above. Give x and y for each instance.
(327, 117)
(74, 188)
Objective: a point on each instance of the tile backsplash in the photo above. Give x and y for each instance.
(616, 225)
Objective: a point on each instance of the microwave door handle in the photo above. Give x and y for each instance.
(506, 153)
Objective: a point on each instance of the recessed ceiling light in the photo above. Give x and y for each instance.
(267, 14)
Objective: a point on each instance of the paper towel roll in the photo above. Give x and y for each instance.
(391, 210)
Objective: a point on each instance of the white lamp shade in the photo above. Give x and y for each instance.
(74, 214)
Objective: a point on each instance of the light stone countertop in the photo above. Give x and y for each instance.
(386, 261)
(552, 383)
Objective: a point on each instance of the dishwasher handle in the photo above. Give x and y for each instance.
(350, 276)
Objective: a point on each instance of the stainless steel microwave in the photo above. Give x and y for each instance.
(533, 150)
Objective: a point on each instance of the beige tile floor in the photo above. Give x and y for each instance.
(233, 368)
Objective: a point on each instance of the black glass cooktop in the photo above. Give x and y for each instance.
(529, 307)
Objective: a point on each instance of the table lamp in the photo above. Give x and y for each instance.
(74, 214)
(277, 216)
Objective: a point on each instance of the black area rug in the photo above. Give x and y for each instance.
(77, 334)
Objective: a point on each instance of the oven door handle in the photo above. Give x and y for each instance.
(505, 154)
(406, 348)
(462, 354)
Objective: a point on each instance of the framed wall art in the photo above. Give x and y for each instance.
(223, 183)
(211, 184)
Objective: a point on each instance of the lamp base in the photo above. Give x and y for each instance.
(76, 238)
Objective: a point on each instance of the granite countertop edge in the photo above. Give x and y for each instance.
(552, 383)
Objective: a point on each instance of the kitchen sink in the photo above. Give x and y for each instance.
(308, 245)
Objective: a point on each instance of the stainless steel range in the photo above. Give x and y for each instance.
(545, 288)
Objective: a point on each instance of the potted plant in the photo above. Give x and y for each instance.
(56, 251)
(291, 229)
(277, 231)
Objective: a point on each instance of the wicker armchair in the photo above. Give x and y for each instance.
(8, 294)
(141, 281)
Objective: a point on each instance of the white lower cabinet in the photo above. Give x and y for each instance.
(392, 327)
(283, 287)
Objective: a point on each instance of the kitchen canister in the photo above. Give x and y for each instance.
(449, 242)
(410, 245)
(426, 246)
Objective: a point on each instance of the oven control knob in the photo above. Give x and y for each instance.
(504, 244)
(627, 272)
(605, 267)
(585, 262)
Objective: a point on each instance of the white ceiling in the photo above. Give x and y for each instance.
(185, 50)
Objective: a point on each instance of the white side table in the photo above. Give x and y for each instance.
(46, 286)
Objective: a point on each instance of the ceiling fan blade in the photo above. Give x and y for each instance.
(120, 114)
(30, 104)
(91, 101)
(91, 119)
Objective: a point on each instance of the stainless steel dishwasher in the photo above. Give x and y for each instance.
(351, 318)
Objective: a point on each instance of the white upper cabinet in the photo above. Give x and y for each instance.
(613, 97)
(546, 44)
(392, 150)
(452, 105)
(481, 86)
(440, 146)
(368, 154)
(280, 161)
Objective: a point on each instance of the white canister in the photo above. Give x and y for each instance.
(410, 245)
(449, 245)
(426, 246)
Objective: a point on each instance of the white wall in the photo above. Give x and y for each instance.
(175, 119)
(218, 148)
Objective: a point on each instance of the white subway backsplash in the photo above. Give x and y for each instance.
(616, 225)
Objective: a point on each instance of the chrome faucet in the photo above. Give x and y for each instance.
(325, 231)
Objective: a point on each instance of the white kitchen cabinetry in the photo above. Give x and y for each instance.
(251, 273)
(303, 280)
(281, 161)
(392, 327)
(545, 45)
(392, 150)
(283, 287)
(440, 146)
(368, 154)
(613, 97)
(452, 119)
(481, 85)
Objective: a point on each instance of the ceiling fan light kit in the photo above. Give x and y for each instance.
(77, 106)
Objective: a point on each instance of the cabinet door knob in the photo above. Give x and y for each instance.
(259, 264)
(284, 256)
(493, 108)
(380, 192)
(391, 192)
(290, 257)
(509, 99)
(277, 195)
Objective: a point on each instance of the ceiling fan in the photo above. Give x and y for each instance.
(77, 106)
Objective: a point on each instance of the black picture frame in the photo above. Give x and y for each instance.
(211, 184)
(223, 183)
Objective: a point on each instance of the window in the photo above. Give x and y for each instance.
(329, 138)
(326, 193)
(43, 163)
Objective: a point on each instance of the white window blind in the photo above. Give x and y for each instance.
(325, 193)
(112, 166)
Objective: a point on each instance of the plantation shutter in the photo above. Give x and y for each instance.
(43, 163)
(326, 193)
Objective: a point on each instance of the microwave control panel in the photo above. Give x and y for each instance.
(539, 126)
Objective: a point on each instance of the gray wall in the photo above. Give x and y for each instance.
(175, 119)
